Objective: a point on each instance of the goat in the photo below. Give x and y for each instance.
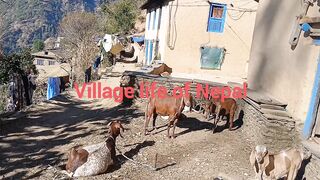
(168, 106)
(286, 163)
(226, 108)
(94, 159)
(220, 109)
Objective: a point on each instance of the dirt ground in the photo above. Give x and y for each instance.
(35, 147)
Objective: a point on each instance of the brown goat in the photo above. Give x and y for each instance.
(220, 109)
(79, 156)
(226, 108)
(167, 106)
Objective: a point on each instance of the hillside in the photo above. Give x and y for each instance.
(23, 21)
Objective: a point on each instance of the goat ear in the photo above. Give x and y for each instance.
(122, 128)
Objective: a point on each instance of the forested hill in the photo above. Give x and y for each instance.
(23, 21)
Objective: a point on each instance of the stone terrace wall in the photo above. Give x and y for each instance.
(312, 170)
(274, 134)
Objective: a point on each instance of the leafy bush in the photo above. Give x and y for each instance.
(38, 45)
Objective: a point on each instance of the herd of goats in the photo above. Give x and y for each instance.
(96, 159)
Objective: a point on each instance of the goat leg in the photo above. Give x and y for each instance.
(146, 123)
(292, 172)
(231, 121)
(169, 125)
(218, 115)
(231, 116)
(174, 127)
(154, 121)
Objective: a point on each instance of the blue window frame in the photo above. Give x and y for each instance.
(217, 17)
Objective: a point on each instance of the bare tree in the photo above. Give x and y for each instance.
(79, 31)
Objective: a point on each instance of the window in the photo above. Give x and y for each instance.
(51, 63)
(217, 15)
(40, 62)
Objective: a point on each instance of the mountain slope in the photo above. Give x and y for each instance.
(26, 20)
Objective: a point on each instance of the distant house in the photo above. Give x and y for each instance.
(197, 38)
(45, 58)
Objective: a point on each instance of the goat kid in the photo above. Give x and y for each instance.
(226, 108)
(169, 106)
(220, 109)
(94, 159)
(275, 166)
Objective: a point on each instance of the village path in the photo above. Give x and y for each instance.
(36, 146)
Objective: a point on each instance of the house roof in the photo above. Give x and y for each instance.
(58, 54)
(45, 54)
(58, 70)
(62, 54)
(153, 4)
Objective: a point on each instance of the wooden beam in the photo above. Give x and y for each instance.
(315, 34)
(309, 20)
(296, 30)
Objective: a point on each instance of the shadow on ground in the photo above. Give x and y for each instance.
(23, 147)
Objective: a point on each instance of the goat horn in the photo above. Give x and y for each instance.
(109, 124)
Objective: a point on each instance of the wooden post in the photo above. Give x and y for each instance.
(313, 107)
(296, 30)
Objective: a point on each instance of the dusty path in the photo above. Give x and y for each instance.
(29, 145)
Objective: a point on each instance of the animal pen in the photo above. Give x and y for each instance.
(266, 119)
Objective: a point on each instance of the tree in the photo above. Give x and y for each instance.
(16, 63)
(120, 16)
(79, 31)
(38, 45)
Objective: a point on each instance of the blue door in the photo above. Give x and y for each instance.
(150, 52)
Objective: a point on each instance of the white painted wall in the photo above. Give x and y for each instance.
(188, 32)
(275, 67)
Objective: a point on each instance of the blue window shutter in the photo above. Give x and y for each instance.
(223, 17)
(217, 24)
(151, 52)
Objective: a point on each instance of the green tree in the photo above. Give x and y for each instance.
(38, 45)
(120, 16)
(16, 63)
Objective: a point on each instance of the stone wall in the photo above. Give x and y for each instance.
(275, 134)
(312, 169)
